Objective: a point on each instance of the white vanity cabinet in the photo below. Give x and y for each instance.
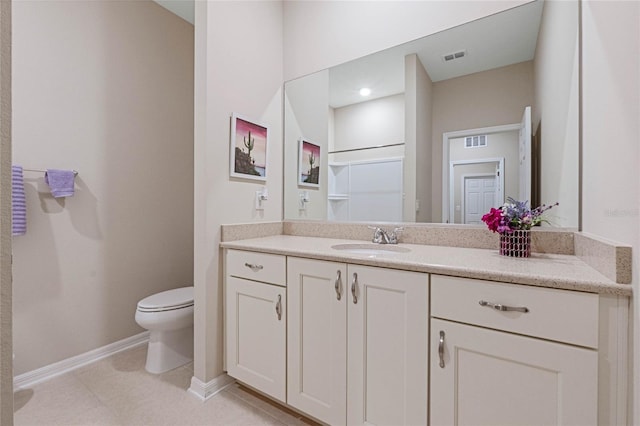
(357, 343)
(505, 355)
(352, 345)
(256, 318)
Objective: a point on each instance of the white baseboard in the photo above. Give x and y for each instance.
(50, 371)
(204, 391)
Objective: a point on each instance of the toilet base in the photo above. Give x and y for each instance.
(169, 349)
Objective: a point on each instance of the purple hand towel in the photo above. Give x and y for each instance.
(61, 182)
(18, 202)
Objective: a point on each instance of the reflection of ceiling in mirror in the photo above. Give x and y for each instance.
(502, 39)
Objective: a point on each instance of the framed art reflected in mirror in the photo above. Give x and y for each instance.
(308, 164)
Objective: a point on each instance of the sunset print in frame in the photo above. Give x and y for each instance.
(249, 143)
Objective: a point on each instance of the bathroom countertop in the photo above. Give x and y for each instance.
(543, 270)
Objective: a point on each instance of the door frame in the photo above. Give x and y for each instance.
(450, 194)
(446, 140)
(464, 191)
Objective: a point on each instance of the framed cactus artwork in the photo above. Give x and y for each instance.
(309, 164)
(249, 143)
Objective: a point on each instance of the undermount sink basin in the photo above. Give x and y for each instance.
(371, 250)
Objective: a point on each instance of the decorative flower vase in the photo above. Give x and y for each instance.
(516, 244)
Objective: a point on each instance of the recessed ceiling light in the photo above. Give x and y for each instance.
(365, 91)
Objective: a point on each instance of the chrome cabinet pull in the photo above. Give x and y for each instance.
(441, 349)
(253, 266)
(503, 308)
(339, 285)
(354, 284)
(279, 307)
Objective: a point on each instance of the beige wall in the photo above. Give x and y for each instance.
(105, 88)
(6, 343)
(610, 140)
(484, 99)
(556, 105)
(235, 71)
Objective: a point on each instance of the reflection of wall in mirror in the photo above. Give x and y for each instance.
(364, 127)
(499, 145)
(418, 167)
(489, 98)
(369, 124)
(306, 116)
(556, 107)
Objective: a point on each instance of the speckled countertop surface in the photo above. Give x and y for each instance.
(542, 270)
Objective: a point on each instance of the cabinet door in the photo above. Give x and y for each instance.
(387, 346)
(317, 333)
(256, 335)
(488, 377)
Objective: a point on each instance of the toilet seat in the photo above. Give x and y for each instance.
(169, 300)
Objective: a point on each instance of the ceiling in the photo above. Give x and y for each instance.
(183, 8)
(498, 40)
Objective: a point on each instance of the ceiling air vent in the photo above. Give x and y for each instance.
(455, 55)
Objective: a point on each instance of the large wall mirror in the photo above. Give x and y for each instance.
(442, 128)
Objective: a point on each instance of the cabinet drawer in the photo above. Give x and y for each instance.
(561, 315)
(269, 268)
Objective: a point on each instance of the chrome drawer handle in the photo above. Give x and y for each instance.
(339, 285)
(253, 266)
(441, 349)
(354, 284)
(279, 308)
(503, 308)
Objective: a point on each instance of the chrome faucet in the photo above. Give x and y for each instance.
(380, 236)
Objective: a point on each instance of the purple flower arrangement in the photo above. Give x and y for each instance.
(514, 215)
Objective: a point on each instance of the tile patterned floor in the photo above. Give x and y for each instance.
(118, 391)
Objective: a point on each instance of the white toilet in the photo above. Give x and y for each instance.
(169, 318)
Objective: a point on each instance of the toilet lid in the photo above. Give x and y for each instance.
(170, 299)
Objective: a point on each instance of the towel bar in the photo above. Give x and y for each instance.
(75, 173)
